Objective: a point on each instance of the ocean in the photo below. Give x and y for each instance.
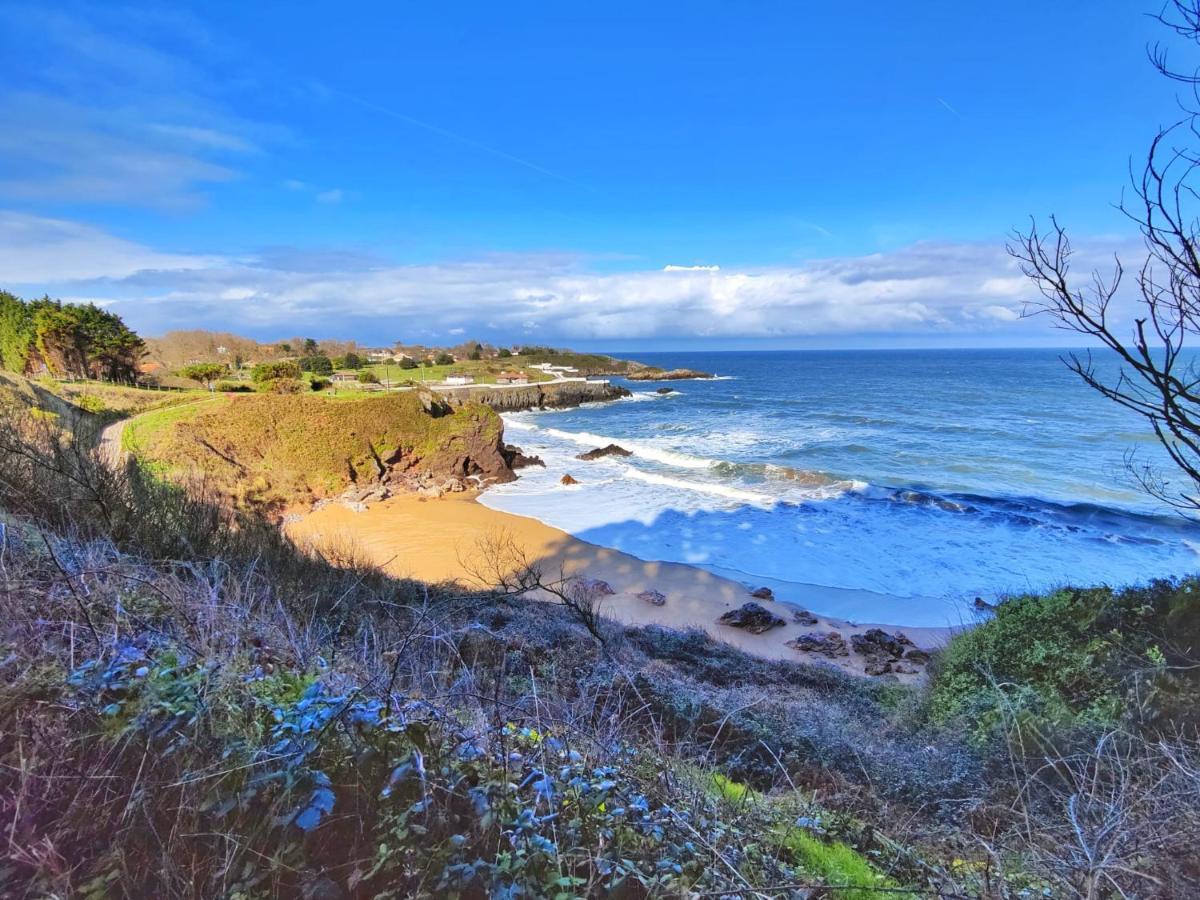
(910, 482)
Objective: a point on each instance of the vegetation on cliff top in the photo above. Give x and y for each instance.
(275, 450)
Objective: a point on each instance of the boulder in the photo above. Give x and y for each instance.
(665, 390)
(452, 486)
(753, 618)
(763, 593)
(916, 655)
(596, 586)
(518, 459)
(432, 492)
(831, 644)
(599, 452)
(567, 479)
(653, 597)
(876, 641)
(804, 617)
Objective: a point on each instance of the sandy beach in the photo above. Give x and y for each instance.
(455, 538)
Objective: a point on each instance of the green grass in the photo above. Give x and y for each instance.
(140, 434)
(484, 371)
(113, 401)
(836, 864)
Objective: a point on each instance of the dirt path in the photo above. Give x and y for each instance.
(109, 441)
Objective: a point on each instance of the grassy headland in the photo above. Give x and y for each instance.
(276, 450)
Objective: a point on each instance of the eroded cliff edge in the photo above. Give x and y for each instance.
(548, 395)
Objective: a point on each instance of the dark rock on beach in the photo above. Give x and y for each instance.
(653, 597)
(882, 652)
(567, 479)
(804, 617)
(753, 618)
(600, 452)
(876, 640)
(763, 593)
(831, 644)
(596, 586)
(518, 459)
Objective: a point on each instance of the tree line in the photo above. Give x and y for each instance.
(68, 340)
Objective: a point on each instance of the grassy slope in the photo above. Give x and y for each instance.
(114, 401)
(277, 449)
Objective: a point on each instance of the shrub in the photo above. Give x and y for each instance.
(319, 384)
(368, 377)
(232, 387)
(1093, 658)
(443, 359)
(407, 363)
(269, 371)
(285, 386)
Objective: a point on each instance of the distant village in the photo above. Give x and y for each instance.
(182, 358)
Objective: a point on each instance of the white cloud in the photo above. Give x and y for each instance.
(923, 289)
(332, 196)
(37, 250)
(673, 268)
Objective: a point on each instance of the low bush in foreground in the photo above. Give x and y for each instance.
(1094, 659)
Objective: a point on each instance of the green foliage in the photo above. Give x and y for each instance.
(232, 387)
(504, 353)
(269, 371)
(71, 339)
(368, 377)
(1094, 658)
(407, 363)
(349, 361)
(16, 332)
(442, 358)
(205, 373)
(318, 365)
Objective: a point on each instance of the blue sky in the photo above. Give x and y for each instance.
(610, 175)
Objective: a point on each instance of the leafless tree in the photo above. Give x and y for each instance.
(501, 565)
(1157, 377)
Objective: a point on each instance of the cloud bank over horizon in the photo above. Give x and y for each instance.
(936, 290)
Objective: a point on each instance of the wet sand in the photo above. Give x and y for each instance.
(456, 539)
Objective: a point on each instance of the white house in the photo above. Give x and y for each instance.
(459, 378)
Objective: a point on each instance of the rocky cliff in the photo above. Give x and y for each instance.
(551, 395)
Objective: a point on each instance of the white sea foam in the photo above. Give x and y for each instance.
(703, 487)
(637, 448)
